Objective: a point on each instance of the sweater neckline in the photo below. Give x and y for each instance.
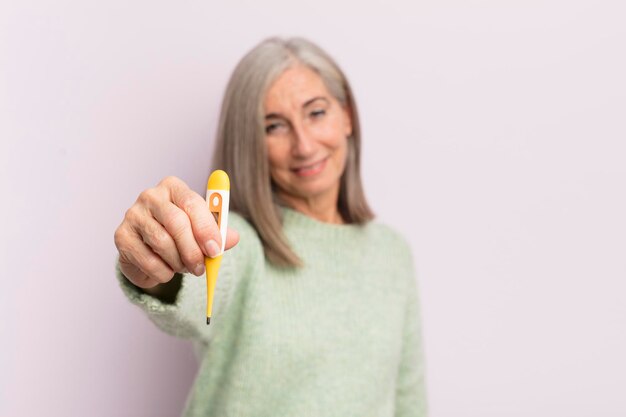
(295, 217)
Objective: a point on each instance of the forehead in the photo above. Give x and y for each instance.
(295, 86)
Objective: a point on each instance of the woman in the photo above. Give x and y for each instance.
(316, 309)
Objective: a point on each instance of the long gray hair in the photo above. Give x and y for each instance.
(240, 144)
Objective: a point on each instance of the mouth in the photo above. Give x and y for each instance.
(311, 169)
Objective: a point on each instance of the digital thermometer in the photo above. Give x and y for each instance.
(217, 197)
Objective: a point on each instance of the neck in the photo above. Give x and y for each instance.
(325, 211)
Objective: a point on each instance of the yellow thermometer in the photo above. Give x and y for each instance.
(217, 196)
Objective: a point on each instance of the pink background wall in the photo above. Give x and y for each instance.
(501, 123)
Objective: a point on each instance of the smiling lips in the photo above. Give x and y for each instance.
(309, 170)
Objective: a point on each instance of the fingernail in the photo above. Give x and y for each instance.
(198, 270)
(212, 249)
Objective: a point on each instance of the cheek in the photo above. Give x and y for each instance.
(278, 159)
(342, 153)
(332, 133)
(277, 154)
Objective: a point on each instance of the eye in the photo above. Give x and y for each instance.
(270, 128)
(317, 113)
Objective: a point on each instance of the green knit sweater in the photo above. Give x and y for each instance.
(338, 337)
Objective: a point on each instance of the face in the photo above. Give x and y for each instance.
(306, 133)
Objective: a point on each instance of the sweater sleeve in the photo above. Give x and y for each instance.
(410, 388)
(186, 317)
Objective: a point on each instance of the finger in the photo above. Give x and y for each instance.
(135, 252)
(136, 275)
(156, 237)
(178, 226)
(140, 223)
(232, 238)
(203, 225)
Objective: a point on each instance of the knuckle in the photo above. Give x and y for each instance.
(132, 215)
(176, 223)
(192, 257)
(119, 237)
(143, 197)
(170, 181)
(147, 195)
(188, 202)
(123, 243)
(152, 267)
(123, 239)
(158, 239)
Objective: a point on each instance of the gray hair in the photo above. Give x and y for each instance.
(240, 144)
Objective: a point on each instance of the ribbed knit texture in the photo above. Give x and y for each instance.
(339, 337)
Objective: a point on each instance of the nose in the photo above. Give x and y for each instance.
(303, 143)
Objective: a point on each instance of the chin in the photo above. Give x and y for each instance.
(314, 188)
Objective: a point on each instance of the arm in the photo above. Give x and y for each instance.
(180, 310)
(169, 308)
(168, 231)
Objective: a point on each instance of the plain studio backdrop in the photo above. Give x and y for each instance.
(494, 140)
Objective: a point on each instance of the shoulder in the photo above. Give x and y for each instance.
(394, 242)
(389, 235)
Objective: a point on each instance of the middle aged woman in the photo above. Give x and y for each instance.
(316, 306)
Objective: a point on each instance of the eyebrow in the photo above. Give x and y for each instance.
(306, 103)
